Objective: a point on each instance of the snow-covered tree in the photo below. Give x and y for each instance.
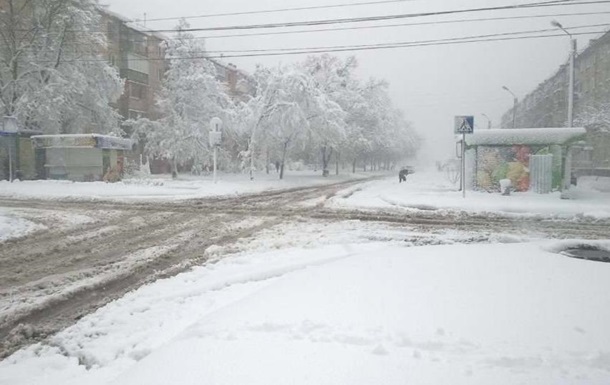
(372, 127)
(290, 109)
(335, 79)
(319, 106)
(596, 117)
(52, 73)
(190, 97)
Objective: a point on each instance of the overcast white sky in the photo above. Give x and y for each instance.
(430, 84)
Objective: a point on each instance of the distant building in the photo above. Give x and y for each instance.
(139, 57)
(547, 105)
(238, 84)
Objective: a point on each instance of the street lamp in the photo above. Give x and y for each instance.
(488, 121)
(573, 46)
(515, 101)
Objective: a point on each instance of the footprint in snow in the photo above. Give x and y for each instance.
(380, 350)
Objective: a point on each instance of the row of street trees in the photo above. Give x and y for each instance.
(314, 111)
(54, 78)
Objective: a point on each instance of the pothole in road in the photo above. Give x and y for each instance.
(589, 253)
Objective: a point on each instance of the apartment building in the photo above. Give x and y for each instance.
(547, 104)
(139, 57)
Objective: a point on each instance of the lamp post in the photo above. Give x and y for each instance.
(573, 49)
(488, 121)
(515, 101)
(9, 124)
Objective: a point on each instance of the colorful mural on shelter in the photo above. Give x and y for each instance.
(511, 162)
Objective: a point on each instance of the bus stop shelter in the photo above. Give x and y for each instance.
(537, 159)
(81, 157)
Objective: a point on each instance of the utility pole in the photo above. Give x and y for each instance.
(567, 157)
(515, 102)
(572, 80)
(573, 52)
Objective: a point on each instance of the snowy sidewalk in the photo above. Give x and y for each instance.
(431, 191)
(163, 188)
(350, 314)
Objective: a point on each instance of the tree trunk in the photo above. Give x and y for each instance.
(326, 154)
(354, 166)
(267, 162)
(337, 163)
(174, 165)
(283, 160)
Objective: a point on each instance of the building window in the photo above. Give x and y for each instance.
(135, 115)
(112, 35)
(138, 91)
(139, 44)
(138, 63)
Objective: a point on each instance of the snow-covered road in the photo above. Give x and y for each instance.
(79, 258)
(346, 314)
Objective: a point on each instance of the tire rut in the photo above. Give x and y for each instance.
(60, 312)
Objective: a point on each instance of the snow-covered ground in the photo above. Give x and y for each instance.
(425, 190)
(347, 314)
(431, 191)
(14, 226)
(164, 188)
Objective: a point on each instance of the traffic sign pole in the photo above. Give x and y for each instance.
(215, 139)
(215, 150)
(464, 165)
(464, 125)
(10, 164)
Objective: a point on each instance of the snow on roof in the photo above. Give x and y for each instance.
(82, 140)
(133, 24)
(529, 136)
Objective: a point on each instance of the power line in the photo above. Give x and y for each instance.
(406, 45)
(421, 41)
(282, 10)
(416, 24)
(539, 4)
(404, 25)
(76, 44)
(314, 50)
(552, 3)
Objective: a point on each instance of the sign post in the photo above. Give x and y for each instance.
(464, 125)
(215, 138)
(9, 126)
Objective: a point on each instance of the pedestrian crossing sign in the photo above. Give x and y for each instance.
(464, 124)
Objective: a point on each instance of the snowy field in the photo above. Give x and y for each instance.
(431, 191)
(162, 187)
(347, 314)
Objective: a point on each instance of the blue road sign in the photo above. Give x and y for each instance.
(464, 124)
